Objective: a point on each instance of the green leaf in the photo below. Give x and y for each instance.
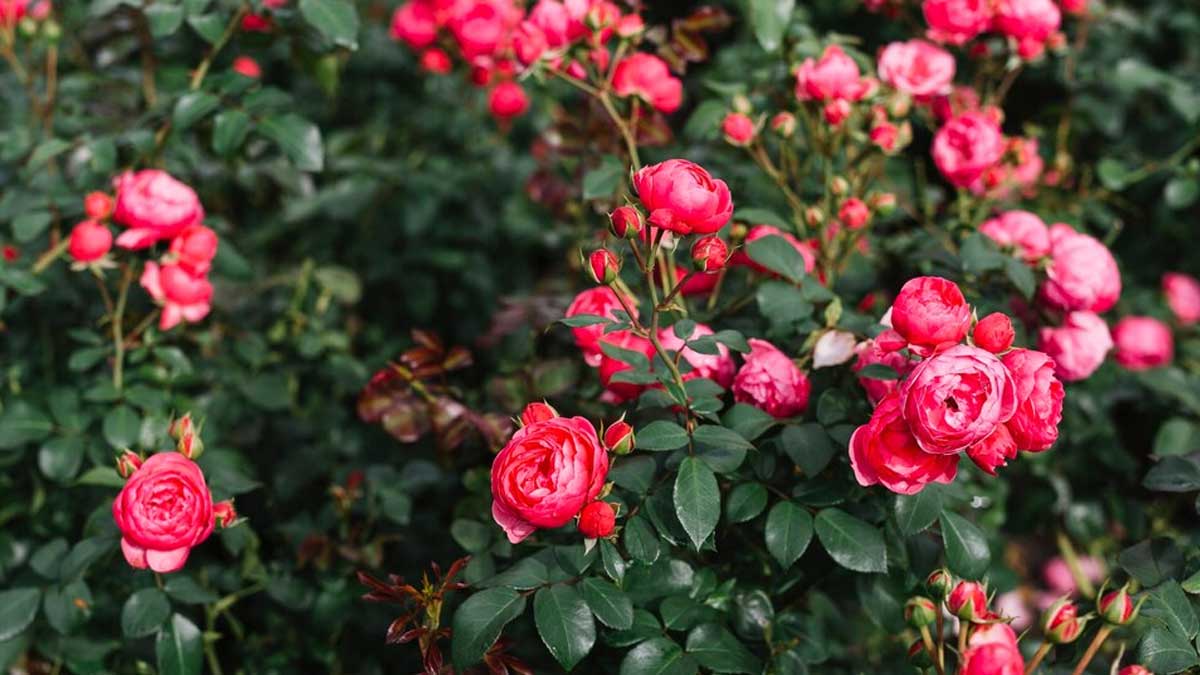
(852, 543)
(192, 108)
(565, 624)
(337, 20)
(778, 255)
(18, 609)
(472, 535)
(660, 656)
(229, 130)
(179, 647)
(745, 502)
(878, 371)
(479, 621)
(967, 551)
(697, 500)
(67, 607)
(640, 540)
(83, 554)
(759, 216)
(715, 648)
(770, 18)
(60, 458)
(20, 280)
(608, 603)
(782, 303)
(103, 476)
(723, 450)
(602, 181)
(208, 26)
(1181, 192)
(122, 426)
(1162, 651)
(747, 420)
(979, 254)
(635, 473)
(809, 446)
(144, 612)
(1174, 474)
(661, 435)
(1112, 173)
(22, 423)
(27, 226)
(1152, 561)
(788, 533)
(164, 19)
(1021, 276)
(1177, 436)
(915, 513)
(298, 138)
(1170, 607)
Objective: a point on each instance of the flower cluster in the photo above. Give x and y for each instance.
(1028, 25)
(983, 398)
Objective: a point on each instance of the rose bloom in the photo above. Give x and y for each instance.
(545, 475)
(884, 451)
(617, 391)
(508, 100)
(961, 99)
(1058, 577)
(529, 43)
(1021, 231)
(1078, 347)
(870, 352)
(557, 23)
(1034, 426)
(480, 27)
(682, 197)
(994, 451)
(1027, 21)
(1183, 296)
(90, 241)
(1082, 274)
(195, 249)
(758, 232)
(247, 67)
(992, 650)
(834, 76)
(1142, 343)
(770, 381)
(956, 21)
(930, 311)
(436, 61)
(717, 367)
(12, 11)
(183, 296)
(738, 128)
(600, 301)
(153, 206)
(956, 397)
(649, 78)
(163, 511)
(917, 67)
(966, 146)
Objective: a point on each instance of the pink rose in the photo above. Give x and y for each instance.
(994, 451)
(12, 11)
(415, 24)
(183, 296)
(717, 367)
(884, 451)
(153, 206)
(649, 78)
(480, 27)
(508, 100)
(603, 302)
(1029, 22)
(771, 381)
(1078, 347)
(195, 249)
(618, 391)
(556, 23)
(956, 21)
(546, 474)
(1058, 577)
(163, 511)
(992, 650)
(1034, 425)
(1021, 231)
(1142, 343)
(758, 232)
(90, 241)
(738, 128)
(931, 311)
(966, 146)
(834, 76)
(1183, 296)
(956, 397)
(994, 333)
(917, 67)
(1082, 274)
(682, 197)
(870, 352)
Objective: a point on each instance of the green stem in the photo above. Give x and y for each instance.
(50, 255)
(1101, 636)
(118, 317)
(202, 69)
(1082, 582)
(1037, 657)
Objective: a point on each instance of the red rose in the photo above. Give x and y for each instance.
(884, 451)
(649, 78)
(163, 511)
(966, 146)
(738, 128)
(994, 451)
(481, 26)
(1135, 669)
(1034, 426)
(1142, 343)
(600, 301)
(956, 21)
(436, 61)
(154, 206)
(508, 100)
(546, 474)
(994, 333)
(183, 295)
(90, 241)
(195, 249)
(771, 381)
(956, 398)
(597, 520)
(992, 650)
(1183, 296)
(1030, 22)
(931, 311)
(97, 205)
(854, 213)
(682, 197)
(247, 67)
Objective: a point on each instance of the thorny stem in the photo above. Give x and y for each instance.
(1101, 636)
(1037, 657)
(202, 69)
(933, 653)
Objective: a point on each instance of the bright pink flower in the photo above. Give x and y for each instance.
(1142, 343)
(1058, 577)
(163, 511)
(436, 61)
(1082, 274)
(620, 391)
(994, 333)
(1075, 7)
(247, 67)
(1135, 669)
(884, 451)
(834, 76)
(873, 351)
(600, 301)
(917, 67)
(257, 23)
(931, 311)
(90, 241)
(885, 135)
(770, 381)
(153, 206)
(529, 43)
(717, 367)
(183, 296)
(758, 232)
(1027, 21)
(961, 99)
(854, 213)
(508, 100)
(1183, 296)
(12, 11)
(956, 21)
(1034, 426)
(195, 249)
(546, 474)
(557, 23)
(480, 27)
(835, 112)
(682, 197)
(992, 650)
(649, 78)
(994, 451)
(1078, 347)
(966, 146)
(738, 128)
(97, 205)
(956, 397)
(1019, 230)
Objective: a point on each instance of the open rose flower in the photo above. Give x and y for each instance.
(758, 232)
(195, 249)
(1078, 346)
(599, 301)
(994, 451)
(556, 22)
(649, 78)
(869, 353)
(1030, 22)
(884, 451)
(931, 311)
(546, 474)
(1082, 274)
(163, 511)
(917, 68)
(183, 295)
(153, 206)
(480, 27)
(834, 76)
(771, 381)
(1021, 231)
(992, 650)
(717, 367)
(682, 197)
(414, 23)
(1183, 296)
(966, 146)
(1034, 426)
(1142, 343)
(956, 397)
(956, 21)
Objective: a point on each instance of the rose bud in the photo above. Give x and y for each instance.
(709, 254)
(247, 67)
(163, 511)
(97, 205)
(626, 222)
(630, 25)
(597, 520)
(190, 446)
(619, 437)
(90, 241)
(994, 333)
(738, 129)
(854, 213)
(784, 124)
(1117, 607)
(1183, 296)
(508, 100)
(919, 656)
(968, 601)
(537, 412)
(224, 514)
(939, 584)
(1061, 623)
(1135, 669)
(128, 462)
(931, 311)
(603, 266)
(181, 427)
(839, 185)
(436, 61)
(883, 202)
(11, 253)
(920, 612)
(813, 216)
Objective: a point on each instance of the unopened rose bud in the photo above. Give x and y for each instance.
(537, 412)
(1117, 608)
(918, 656)
(224, 514)
(597, 520)
(97, 205)
(854, 213)
(1061, 623)
(968, 601)
(709, 254)
(1135, 669)
(626, 222)
(27, 27)
(884, 203)
(994, 333)
(835, 112)
(181, 427)
(738, 129)
(784, 124)
(90, 241)
(899, 105)
(127, 463)
(619, 437)
(190, 446)
(920, 611)
(813, 216)
(603, 266)
(738, 231)
(839, 186)
(51, 31)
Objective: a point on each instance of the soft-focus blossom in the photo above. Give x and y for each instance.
(480, 27)
(1021, 231)
(717, 367)
(153, 206)
(194, 249)
(90, 241)
(917, 68)
(436, 61)
(1082, 274)
(414, 22)
(854, 213)
(738, 128)
(992, 650)
(1057, 574)
(163, 511)
(833, 348)
(508, 100)
(97, 205)
(884, 451)
(1034, 425)
(1183, 296)
(1142, 342)
(247, 67)
(931, 311)
(1135, 669)
(12, 11)
(649, 78)
(1030, 22)
(956, 21)
(956, 397)
(1078, 346)
(182, 295)
(966, 146)
(771, 381)
(682, 197)
(835, 76)
(600, 301)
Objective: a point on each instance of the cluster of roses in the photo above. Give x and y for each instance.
(24, 14)
(165, 508)
(1030, 26)
(553, 471)
(262, 22)
(153, 207)
(985, 398)
(498, 40)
